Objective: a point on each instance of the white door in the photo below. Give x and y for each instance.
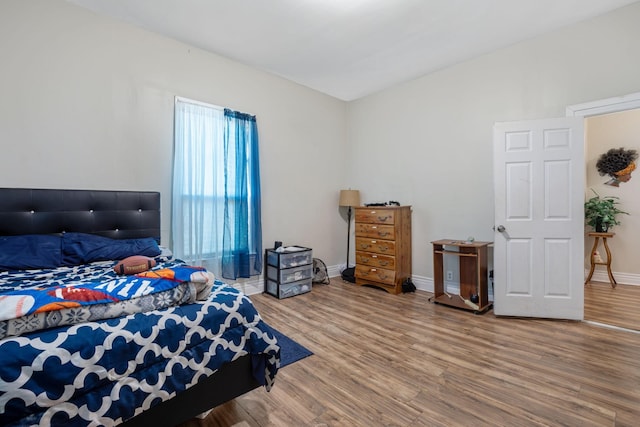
(539, 218)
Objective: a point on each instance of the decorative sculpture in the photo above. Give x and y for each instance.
(618, 163)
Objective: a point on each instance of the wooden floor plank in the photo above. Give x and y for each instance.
(619, 306)
(400, 360)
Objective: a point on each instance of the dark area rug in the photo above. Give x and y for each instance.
(290, 351)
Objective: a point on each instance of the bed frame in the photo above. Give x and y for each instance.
(119, 215)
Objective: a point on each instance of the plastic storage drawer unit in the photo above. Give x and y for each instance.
(289, 271)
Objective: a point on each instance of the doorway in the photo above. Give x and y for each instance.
(606, 122)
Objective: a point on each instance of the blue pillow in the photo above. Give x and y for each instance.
(30, 251)
(80, 248)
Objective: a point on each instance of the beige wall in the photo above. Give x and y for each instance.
(428, 143)
(614, 131)
(87, 102)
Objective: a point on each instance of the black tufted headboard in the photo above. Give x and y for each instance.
(114, 214)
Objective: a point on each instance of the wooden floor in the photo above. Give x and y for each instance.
(619, 306)
(385, 360)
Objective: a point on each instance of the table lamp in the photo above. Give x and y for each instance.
(349, 198)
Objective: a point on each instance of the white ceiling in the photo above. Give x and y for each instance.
(351, 48)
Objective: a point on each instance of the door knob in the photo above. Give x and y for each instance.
(501, 228)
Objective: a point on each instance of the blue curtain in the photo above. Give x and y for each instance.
(242, 232)
(216, 190)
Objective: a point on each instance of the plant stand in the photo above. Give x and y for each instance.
(604, 237)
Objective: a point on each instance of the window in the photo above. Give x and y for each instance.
(216, 189)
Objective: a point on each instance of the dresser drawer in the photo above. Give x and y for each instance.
(376, 231)
(375, 260)
(379, 275)
(375, 216)
(387, 247)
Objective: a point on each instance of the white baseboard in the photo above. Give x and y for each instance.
(422, 283)
(334, 270)
(426, 284)
(255, 285)
(600, 275)
(252, 286)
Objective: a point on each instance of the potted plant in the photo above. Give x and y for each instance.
(601, 212)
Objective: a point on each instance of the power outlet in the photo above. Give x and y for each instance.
(449, 275)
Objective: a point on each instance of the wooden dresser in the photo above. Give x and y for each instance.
(383, 246)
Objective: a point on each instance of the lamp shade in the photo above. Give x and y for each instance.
(349, 198)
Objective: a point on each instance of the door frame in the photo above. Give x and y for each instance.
(596, 108)
(604, 106)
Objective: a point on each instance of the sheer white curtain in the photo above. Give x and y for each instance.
(197, 208)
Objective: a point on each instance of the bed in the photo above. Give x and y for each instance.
(142, 364)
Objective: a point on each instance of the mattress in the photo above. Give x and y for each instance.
(103, 372)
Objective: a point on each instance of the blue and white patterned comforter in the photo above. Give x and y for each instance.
(107, 371)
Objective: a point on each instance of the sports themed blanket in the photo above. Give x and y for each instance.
(38, 299)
